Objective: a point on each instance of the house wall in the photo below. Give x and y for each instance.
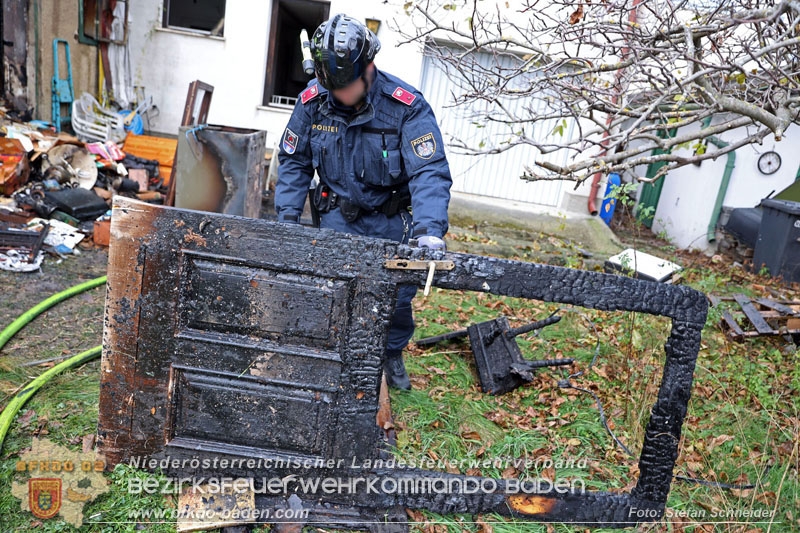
(687, 199)
(165, 61)
(57, 19)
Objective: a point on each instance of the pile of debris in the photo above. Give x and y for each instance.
(55, 190)
(779, 317)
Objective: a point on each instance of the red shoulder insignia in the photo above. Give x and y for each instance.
(309, 93)
(404, 96)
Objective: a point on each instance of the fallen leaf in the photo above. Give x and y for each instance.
(577, 15)
(485, 528)
(88, 442)
(26, 417)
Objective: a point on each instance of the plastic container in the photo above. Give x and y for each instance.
(744, 224)
(609, 199)
(778, 246)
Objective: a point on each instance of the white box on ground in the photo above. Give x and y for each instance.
(645, 266)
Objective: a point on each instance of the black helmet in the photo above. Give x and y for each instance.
(342, 48)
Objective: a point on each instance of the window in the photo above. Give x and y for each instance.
(202, 16)
(285, 77)
(96, 21)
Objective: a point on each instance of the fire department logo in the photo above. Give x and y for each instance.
(44, 496)
(289, 141)
(71, 480)
(424, 146)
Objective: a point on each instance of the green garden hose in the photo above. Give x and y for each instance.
(39, 308)
(30, 389)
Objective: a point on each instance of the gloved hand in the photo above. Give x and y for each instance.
(432, 242)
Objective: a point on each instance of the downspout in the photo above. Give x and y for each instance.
(599, 175)
(723, 186)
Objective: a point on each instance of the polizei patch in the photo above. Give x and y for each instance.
(289, 141)
(424, 146)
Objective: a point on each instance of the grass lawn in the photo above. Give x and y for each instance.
(742, 425)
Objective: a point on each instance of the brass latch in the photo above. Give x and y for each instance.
(430, 266)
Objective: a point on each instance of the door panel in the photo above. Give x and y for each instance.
(225, 407)
(219, 346)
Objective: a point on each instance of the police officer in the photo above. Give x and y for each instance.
(374, 142)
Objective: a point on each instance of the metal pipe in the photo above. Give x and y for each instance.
(711, 233)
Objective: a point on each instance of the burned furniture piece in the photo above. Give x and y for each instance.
(220, 169)
(235, 338)
(501, 367)
(18, 239)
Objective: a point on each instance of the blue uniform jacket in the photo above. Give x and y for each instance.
(391, 142)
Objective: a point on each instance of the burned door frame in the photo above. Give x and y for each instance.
(14, 31)
(154, 256)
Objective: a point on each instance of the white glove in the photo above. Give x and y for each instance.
(432, 242)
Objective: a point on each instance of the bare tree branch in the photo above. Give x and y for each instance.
(619, 73)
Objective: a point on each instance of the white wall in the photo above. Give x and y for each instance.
(166, 61)
(689, 193)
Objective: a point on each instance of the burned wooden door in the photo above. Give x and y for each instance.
(241, 338)
(233, 346)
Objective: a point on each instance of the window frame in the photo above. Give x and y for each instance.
(165, 25)
(97, 39)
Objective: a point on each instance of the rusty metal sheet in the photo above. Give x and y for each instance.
(243, 338)
(220, 169)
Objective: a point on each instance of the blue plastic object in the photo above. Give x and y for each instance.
(40, 124)
(136, 126)
(609, 200)
(51, 185)
(61, 88)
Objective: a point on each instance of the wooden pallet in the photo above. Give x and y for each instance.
(758, 317)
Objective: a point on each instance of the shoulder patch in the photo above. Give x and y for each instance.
(290, 139)
(404, 96)
(424, 147)
(309, 94)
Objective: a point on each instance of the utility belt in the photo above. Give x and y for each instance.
(324, 199)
